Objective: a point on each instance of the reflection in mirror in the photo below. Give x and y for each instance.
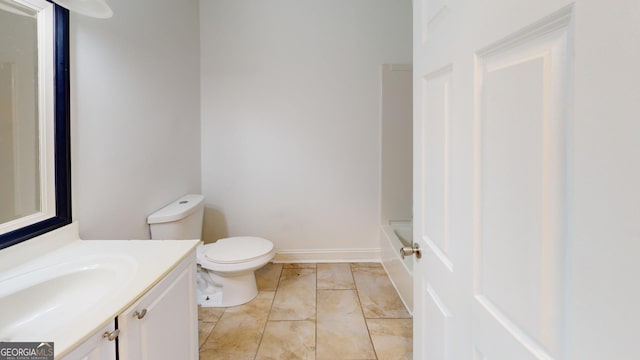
(19, 179)
(34, 119)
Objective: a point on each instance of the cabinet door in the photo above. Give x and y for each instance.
(163, 324)
(97, 347)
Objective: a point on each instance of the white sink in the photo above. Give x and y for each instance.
(42, 297)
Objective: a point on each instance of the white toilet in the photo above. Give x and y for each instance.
(225, 268)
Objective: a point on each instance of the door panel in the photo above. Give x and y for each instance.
(437, 330)
(525, 155)
(522, 87)
(435, 150)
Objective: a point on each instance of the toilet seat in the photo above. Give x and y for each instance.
(235, 255)
(237, 250)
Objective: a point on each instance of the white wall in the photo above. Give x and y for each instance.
(291, 117)
(135, 114)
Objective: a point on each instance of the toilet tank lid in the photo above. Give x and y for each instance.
(177, 210)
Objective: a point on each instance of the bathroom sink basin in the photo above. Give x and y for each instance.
(35, 301)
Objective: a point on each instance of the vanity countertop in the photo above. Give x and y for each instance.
(112, 274)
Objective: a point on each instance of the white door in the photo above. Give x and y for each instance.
(527, 179)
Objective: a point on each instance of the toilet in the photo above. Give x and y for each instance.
(226, 268)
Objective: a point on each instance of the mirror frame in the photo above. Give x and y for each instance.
(62, 137)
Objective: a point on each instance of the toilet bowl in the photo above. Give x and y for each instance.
(227, 270)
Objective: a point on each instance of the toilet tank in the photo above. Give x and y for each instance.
(180, 220)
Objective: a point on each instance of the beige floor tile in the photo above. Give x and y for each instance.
(237, 334)
(204, 329)
(392, 338)
(288, 340)
(366, 265)
(299, 266)
(296, 296)
(335, 276)
(209, 314)
(341, 333)
(378, 296)
(268, 276)
(341, 328)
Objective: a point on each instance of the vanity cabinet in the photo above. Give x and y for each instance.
(163, 324)
(160, 325)
(97, 347)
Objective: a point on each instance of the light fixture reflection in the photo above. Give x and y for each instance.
(93, 8)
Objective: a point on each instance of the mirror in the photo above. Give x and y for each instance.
(20, 178)
(35, 188)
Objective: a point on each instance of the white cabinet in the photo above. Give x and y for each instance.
(97, 347)
(163, 324)
(160, 325)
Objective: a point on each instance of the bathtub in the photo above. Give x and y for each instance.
(393, 236)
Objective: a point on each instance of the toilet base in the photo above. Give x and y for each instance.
(226, 291)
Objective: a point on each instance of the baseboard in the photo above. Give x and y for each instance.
(327, 255)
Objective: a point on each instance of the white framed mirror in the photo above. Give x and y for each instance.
(34, 119)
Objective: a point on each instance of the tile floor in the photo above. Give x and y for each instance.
(311, 311)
